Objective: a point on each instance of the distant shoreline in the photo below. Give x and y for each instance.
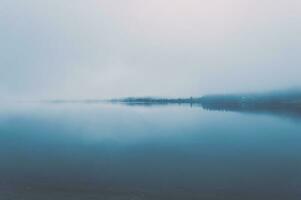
(286, 103)
(283, 102)
(273, 99)
(287, 99)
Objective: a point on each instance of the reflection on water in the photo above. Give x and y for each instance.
(291, 111)
(102, 151)
(285, 112)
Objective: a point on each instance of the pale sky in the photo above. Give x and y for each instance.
(75, 49)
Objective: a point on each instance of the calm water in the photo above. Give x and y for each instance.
(102, 151)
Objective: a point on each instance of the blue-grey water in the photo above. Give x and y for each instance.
(104, 151)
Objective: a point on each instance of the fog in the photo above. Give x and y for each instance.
(79, 49)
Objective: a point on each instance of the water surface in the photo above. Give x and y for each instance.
(104, 151)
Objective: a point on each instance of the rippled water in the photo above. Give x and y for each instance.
(103, 151)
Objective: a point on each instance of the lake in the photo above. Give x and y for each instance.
(119, 152)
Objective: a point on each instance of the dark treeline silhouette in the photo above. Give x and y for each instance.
(155, 101)
(287, 103)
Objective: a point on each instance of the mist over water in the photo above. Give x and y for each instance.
(104, 49)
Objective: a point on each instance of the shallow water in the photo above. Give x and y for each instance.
(104, 151)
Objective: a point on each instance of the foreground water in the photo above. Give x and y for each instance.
(103, 151)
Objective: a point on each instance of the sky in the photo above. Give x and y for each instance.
(86, 49)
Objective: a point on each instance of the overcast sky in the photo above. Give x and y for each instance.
(114, 48)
